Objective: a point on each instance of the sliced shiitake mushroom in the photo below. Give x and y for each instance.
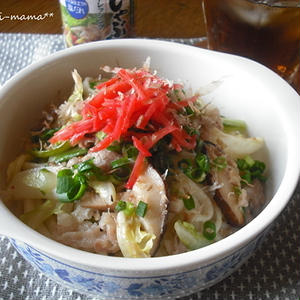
(227, 196)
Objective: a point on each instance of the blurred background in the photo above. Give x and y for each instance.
(152, 18)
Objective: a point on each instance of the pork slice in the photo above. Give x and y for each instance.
(93, 237)
(102, 159)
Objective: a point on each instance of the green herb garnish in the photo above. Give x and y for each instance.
(141, 209)
(115, 147)
(89, 169)
(67, 155)
(130, 151)
(48, 133)
(188, 111)
(129, 210)
(220, 163)
(121, 205)
(203, 162)
(189, 202)
(53, 151)
(190, 130)
(251, 169)
(196, 171)
(209, 230)
(121, 162)
(69, 187)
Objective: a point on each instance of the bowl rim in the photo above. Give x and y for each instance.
(171, 263)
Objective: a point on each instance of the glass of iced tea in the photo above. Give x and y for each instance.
(267, 31)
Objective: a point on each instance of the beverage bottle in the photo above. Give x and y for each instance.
(91, 20)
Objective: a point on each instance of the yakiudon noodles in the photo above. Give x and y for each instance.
(134, 165)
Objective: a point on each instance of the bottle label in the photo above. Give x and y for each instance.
(78, 9)
(91, 20)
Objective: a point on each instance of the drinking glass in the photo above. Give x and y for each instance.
(266, 31)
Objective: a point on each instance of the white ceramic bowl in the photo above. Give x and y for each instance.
(247, 91)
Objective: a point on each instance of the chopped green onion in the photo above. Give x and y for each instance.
(48, 133)
(67, 155)
(76, 192)
(64, 181)
(249, 161)
(257, 170)
(81, 178)
(188, 111)
(121, 205)
(258, 166)
(189, 202)
(129, 210)
(251, 169)
(203, 162)
(65, 172)
(70, 188)
(97, 173)
(93, 84)
(246, 175)
(60, 148)
(195, 174)
(220, 163)
(209, 230)
(130, 151)
(84, 166)
(190, 131)
(90, 170)
(141, 209)
(114, 147)
(121, 162)
(242, 164)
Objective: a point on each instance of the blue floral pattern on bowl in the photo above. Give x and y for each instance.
(122, 287)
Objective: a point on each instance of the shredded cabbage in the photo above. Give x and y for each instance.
(204, 208)
(36, 183)
(238, 146)
(105, 189)
(189, 236)
(41, 213)
(15, 166)
(78, 88)
(132, 240)
(68, 112)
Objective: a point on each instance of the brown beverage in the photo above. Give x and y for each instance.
(267, 33)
